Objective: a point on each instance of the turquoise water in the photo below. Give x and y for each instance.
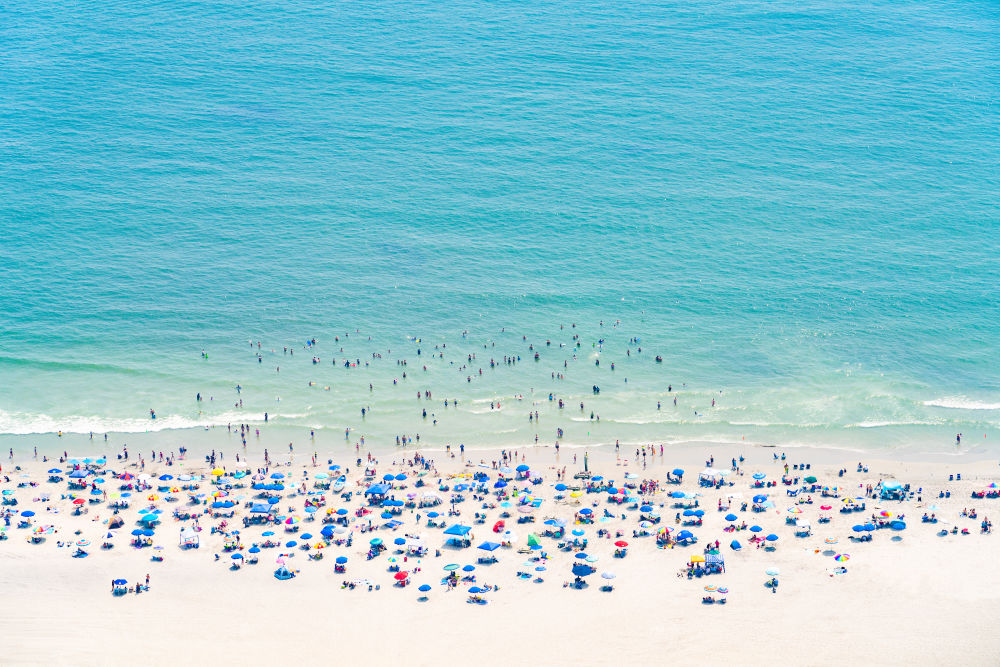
(792, 203)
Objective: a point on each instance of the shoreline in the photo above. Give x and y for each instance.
(276, 439)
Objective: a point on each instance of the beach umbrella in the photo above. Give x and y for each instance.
(469, 568)
(842, 557)
(685, 535)
(646, 508)
(341, 512)
(898, 525)
(277, 475)
(858, 528)
(399, 541)
(826, 507)
(476, 589)
(677, 494)
(218, 472)
(608, 575)
(581, 570)
(388, 477)
(400, 477)
(307, 536)
(312, 509)
(831, 540)
(586, 511)
(120, 582)
(341, 560)
(561, 487)
(237, 556)
(375, 541)
(540, 568)
(578, 532)
(869, 527)
(321, 475)
(771, 538)
(137, 532)
(291, 543)
(401, 576)
(755, 529)
(759, 498)
(78, 501)
(451, 567)
(731, 517)
(772, 571)
(166, 478)
(55, 471)
(82, 543)
(327, 531)
(591, 559)
(254, 549)
(580, 555)
(147, 532)
(424, 588)
(523, 468)
(621, 544)
(267, 533)
(759, 476)
(386, 515)
(810, 480)
(689, 513)
(27, 514)
(679, 472)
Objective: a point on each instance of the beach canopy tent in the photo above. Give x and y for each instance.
(892, 490)
(189, 537)
(458, 530)
(378, 490)
(715, 559)
(710, 476)
(489, 546)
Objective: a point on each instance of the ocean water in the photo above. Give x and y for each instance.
(795, 205)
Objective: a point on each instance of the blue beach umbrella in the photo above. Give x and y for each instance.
(424, 588)
(341, 560)
(732, 517)
(755, 529)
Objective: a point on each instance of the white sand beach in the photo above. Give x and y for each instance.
(907, 595)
